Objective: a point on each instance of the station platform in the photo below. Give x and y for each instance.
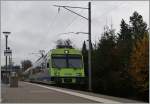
(36, 93)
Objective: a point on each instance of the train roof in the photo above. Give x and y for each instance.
(64, 50)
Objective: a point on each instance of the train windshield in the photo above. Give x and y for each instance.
(74, 62)
(59, 62)
(67, 61)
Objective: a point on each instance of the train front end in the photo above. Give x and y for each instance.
(67, 66)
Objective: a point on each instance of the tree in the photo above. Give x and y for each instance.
(125, 32)
(128, 36)
(124, 45)
(59, 43)
(114, 55)
(85, 57)
(103, 63)
(68, 42)
(139, 69)
(26, 64)
(64, 43)
(138, 26)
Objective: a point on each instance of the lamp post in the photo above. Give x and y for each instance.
(6, 33)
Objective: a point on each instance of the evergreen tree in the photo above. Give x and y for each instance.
(104, 63)
(85, 57)
(125, 32)
(120, 61)
(138, 26)
(124, 45)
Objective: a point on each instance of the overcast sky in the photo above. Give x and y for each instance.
(36, 25)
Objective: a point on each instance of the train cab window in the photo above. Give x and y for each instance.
(75, 61)
(59, 62)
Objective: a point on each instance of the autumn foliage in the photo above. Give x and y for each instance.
(139, 69)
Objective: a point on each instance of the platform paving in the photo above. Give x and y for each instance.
(27, 93)
(34, 93)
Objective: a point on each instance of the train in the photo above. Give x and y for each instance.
(58, 66)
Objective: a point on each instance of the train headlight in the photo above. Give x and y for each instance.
(66, 51)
